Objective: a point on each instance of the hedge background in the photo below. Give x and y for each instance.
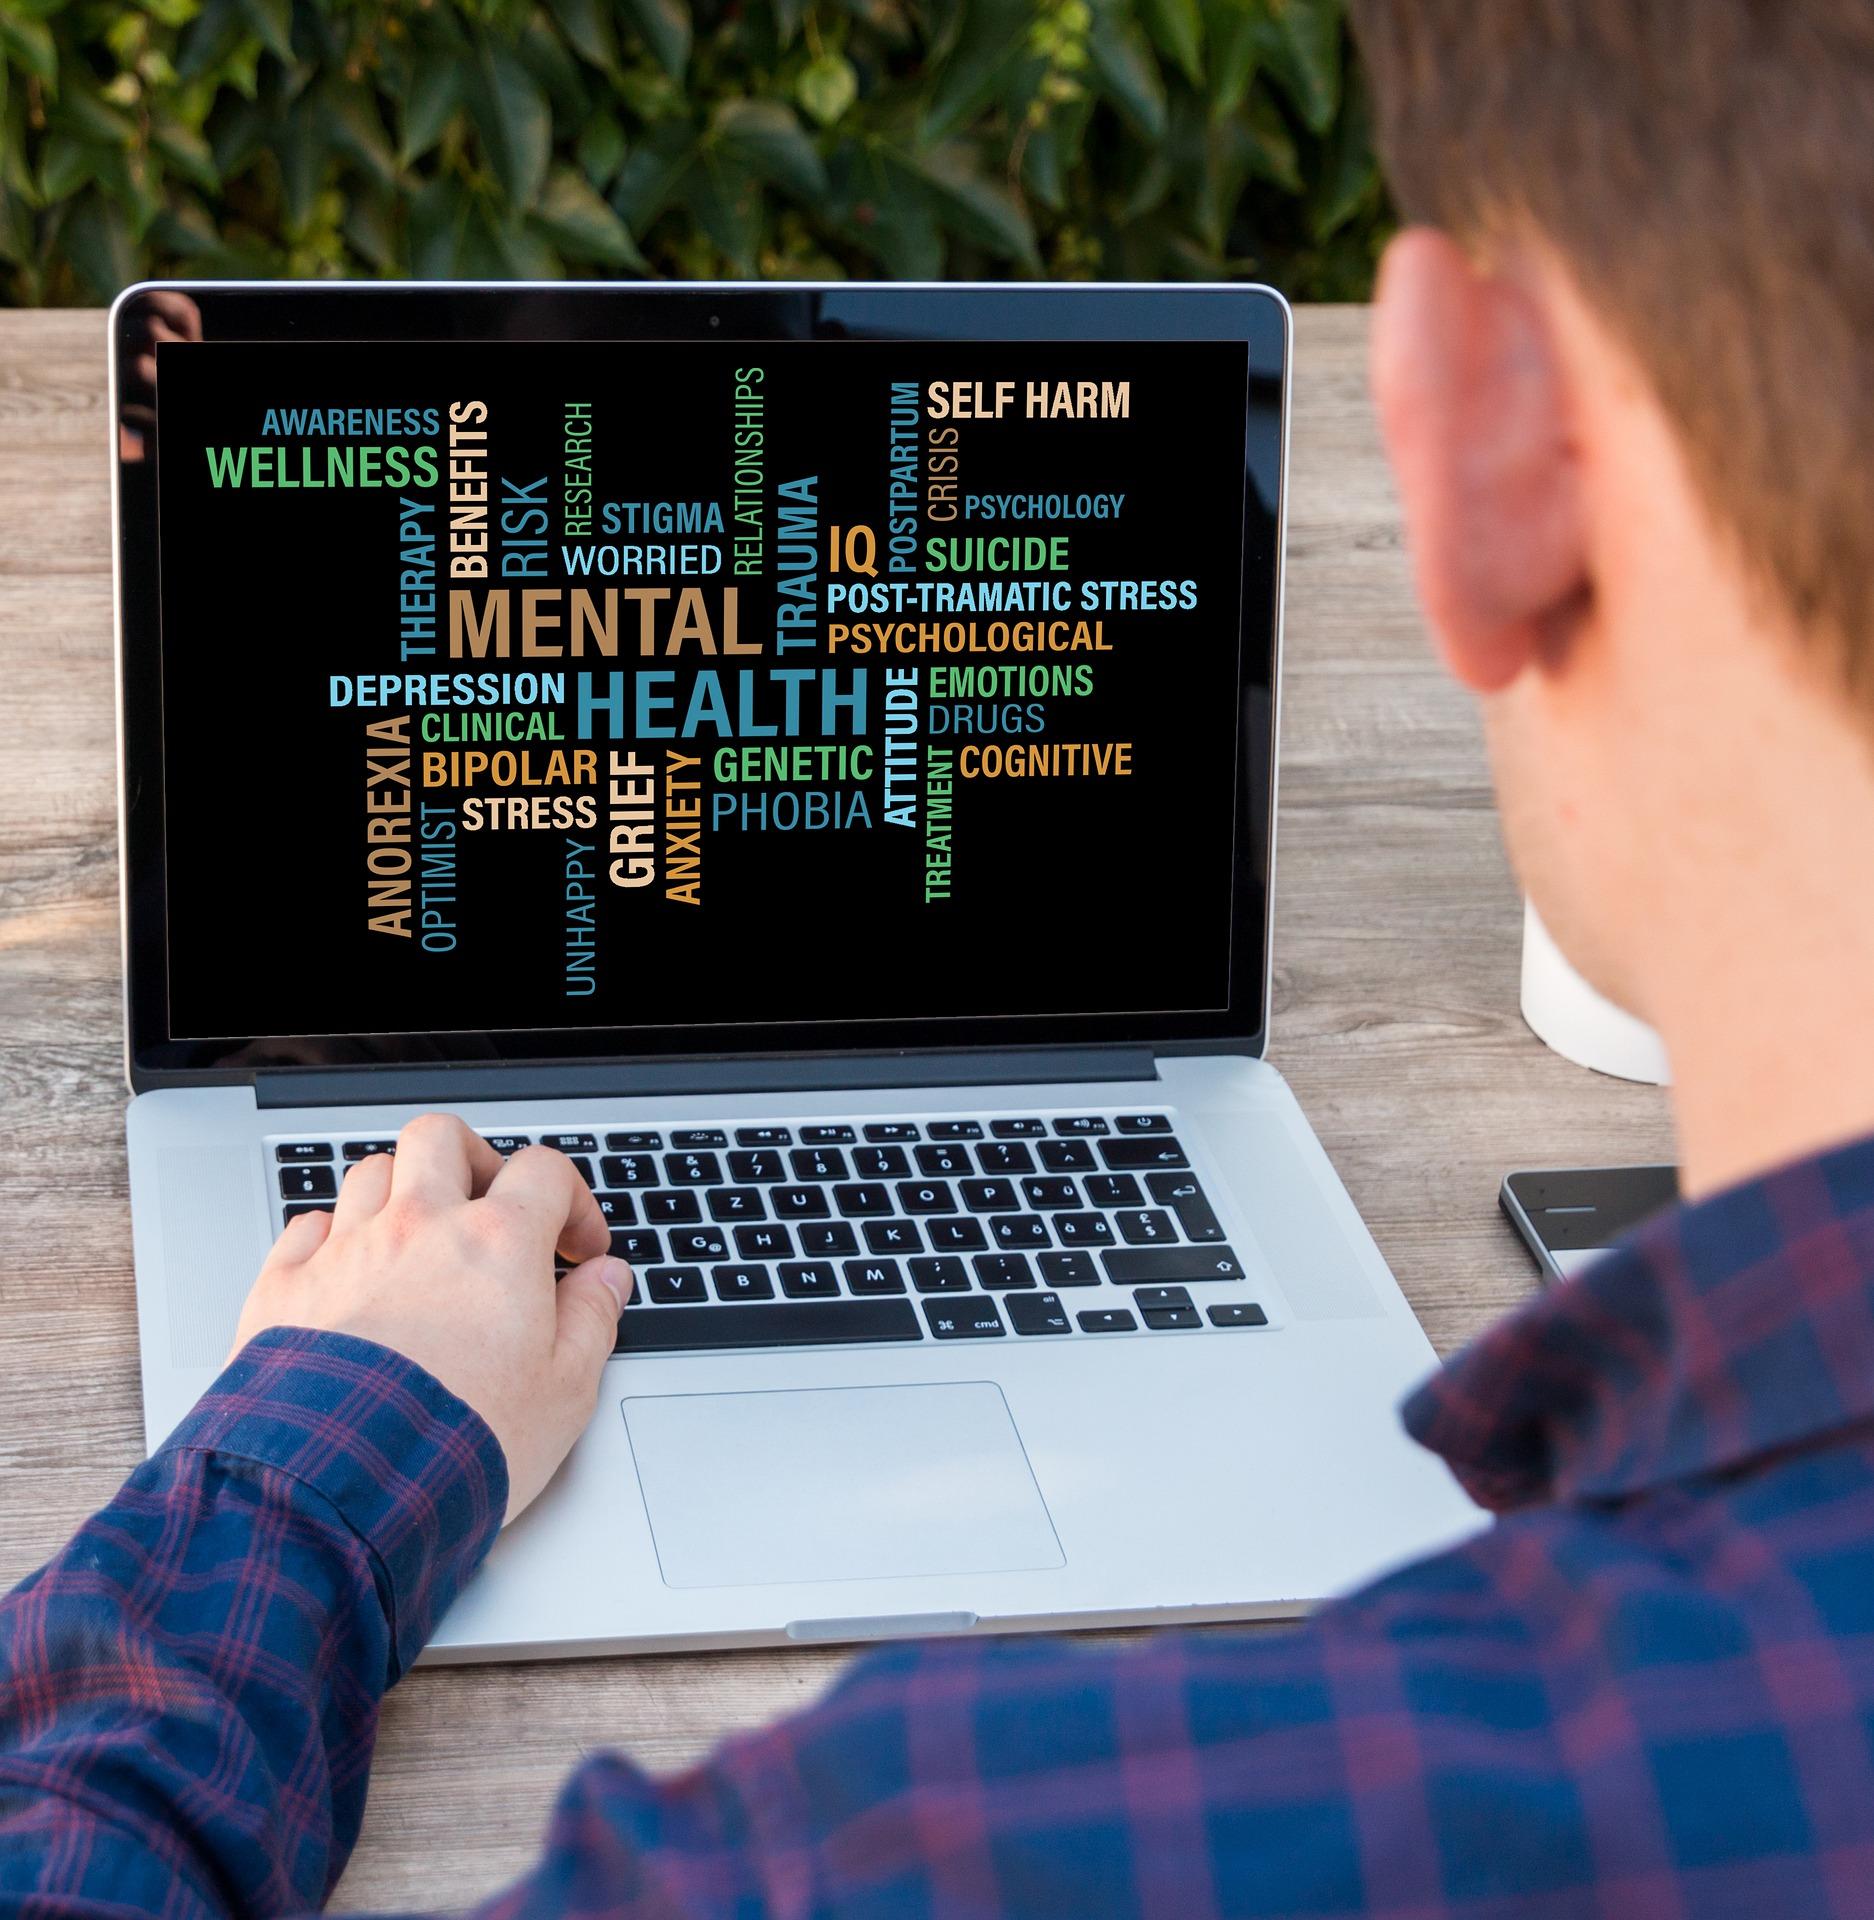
(1103, 139)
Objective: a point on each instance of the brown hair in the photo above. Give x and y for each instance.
(1706, 169)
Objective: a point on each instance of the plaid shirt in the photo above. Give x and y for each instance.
(1647, 1691)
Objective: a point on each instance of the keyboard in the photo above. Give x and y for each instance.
(811, 1234)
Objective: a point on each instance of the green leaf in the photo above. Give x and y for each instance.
(1232, 28)
(30, 42)
(665, 25)
(976, 208)
(65, 165)
(652, 173)
(767, 137)
(301, 155)
(727, 204)
(210, 39)
(434, 97)
(588, 30)
(1177, 30)
(439, 215)
(787, 17)
(353, 127)
(1272, 150)
(894, 221)
(991, 52)
(601, 148)
(95, 238)
(1303, 42)
(1129, 76)
(187, 152)
(515, 125)
(827, 87)
(272, 20)
(371, 228)
(571, 214)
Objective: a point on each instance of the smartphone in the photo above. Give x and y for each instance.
(1569, 1216)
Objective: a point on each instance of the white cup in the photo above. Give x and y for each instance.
(1567, 1014)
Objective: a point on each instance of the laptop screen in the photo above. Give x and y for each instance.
(699, 688)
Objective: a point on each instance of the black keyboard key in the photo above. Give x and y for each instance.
(1069, 1269)
(294, 1209)
(1170, 1266)
(1066, 1156)
(1081, 1123)
(873, 1276)
(1181, 1193)
(699, 1243)
(736, 1203)
(939, 1273)
(638, 1245)
(893, 1236)
(1107, 1320)
(973, 1319)
(779, 1323)
(296, 1150)
(570, 1142)
(810, 1280)
(828, 1236)
(798, 1203)
(880, 1163)
(1005, 1156)
(763, 1164)
(766, 1242)
(764, 1136)
(926, 1196)
(1146, 1227)
(818, 1163)
(692, 1169)
(880, 1131)
(308, 1183)
(1051, 1192)
(1149, 1297)
(1238, 1313)
(989, 1196)
(944, 1160)
(583, 1167)
(619, 1209)
(1083, 1230)
(365, 1149)
(1125, 1156)
(1143, 1123)
(1016, 1129)
(1037, 1313)
(671, 1209)
(507, 1143)
(1113, 1190)
(837, 1136)
(628, 1170)
(1166, 1319)
(1020, 1230)
(998, 1270)
(689, 1139)
(956, 1236)
(635, 1140)
(742, 1283)
(673, 1286)
(955, 1129)
(865, 1201)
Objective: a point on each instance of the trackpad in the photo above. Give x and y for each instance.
(839, 1483)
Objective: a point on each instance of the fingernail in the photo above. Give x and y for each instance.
(617, 1275)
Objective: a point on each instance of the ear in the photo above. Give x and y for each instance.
(1473, 402)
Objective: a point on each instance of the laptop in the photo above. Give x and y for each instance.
(806, 752)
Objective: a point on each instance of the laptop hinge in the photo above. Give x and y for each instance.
(432, 1085)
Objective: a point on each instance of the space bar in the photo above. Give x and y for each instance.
(811, 1323)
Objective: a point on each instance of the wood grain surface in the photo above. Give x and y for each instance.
(1395, 1018)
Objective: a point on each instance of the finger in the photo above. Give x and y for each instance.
(305, 1234)
(362, 1192)
(588, 1302)
(543, 1191)
(441, 1161)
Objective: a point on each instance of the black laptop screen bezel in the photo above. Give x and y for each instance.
(1254, 315)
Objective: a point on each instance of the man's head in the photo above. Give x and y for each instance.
(1625, 360)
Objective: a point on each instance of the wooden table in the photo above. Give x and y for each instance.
(1395, 1018)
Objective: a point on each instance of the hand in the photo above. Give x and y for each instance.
(445, 1253)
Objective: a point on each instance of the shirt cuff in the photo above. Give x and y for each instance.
(414, 1472)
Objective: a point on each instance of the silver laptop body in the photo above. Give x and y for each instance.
(1054, 1317)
